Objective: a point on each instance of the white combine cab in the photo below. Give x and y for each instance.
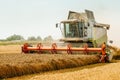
(81, 28)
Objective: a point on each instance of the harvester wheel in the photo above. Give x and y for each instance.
(107, 57)
(39, 45)
(69, 49)
(53, 49)
(86, 46)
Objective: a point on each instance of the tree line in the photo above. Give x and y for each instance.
(31, 38)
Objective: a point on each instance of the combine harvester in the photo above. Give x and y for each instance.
(80, 33)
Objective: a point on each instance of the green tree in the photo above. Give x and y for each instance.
(39, 38)
(48, 38)
(15, 37)
(32, 38)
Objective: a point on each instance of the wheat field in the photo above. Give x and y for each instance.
(14, 63)
(100, 71)
(8, 49)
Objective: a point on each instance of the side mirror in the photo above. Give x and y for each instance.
(111, 41)
(56, 25)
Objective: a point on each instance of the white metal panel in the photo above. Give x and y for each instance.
(99, 32)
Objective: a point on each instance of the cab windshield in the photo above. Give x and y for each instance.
(73, 30)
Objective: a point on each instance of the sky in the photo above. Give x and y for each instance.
(38, 17)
